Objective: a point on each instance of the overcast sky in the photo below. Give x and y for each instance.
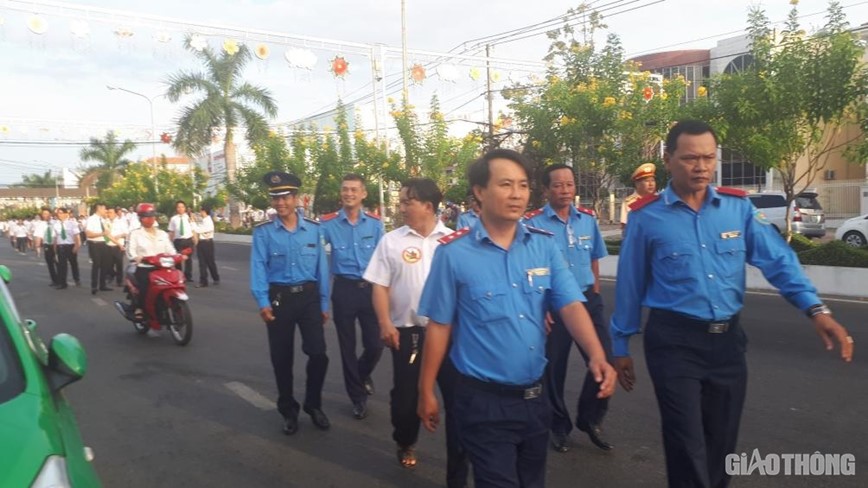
(52, 85)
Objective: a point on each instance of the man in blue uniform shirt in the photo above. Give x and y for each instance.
(353, 235)
(492, 284)
(290, 282)
(578, 237)
(469, 216)
(683, 256)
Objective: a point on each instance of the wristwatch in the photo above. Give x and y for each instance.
(818, 309)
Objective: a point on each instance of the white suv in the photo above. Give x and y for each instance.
(808, 216)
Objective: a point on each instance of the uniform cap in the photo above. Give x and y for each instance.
(644, 170)
(280, 183)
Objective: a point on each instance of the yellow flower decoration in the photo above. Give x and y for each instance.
(608, 101)
(536, 144)
(565, 120)
(702, 91)
(230, 46)
(625, 115)
(664, 96)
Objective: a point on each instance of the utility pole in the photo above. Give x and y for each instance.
(489, 96)
(405, 92)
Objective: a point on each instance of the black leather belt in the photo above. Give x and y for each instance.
(527, 392)
(353, 281)
(280, 288)
(711, 326)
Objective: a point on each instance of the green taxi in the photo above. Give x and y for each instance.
(40, 444)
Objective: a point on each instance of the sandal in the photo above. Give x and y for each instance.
(407, 457)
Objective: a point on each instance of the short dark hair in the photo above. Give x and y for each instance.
(44, 209)
(546, 178)
(479, 173)
(424, 190)
(689, 126)
(205, 208)
(353, 177)
(95, 206)
(180, 201)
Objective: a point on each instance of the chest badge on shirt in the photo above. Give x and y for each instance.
(730, 234)
(411, 255)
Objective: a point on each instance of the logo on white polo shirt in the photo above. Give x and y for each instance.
(412, 255)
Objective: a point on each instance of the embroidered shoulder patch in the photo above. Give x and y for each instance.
(643, 202)
(587, 211)
(327, 217)
(453, 236)
(733, 192)
(537, 230)
(533, 213)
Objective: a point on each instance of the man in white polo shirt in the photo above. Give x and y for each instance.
(97, 230)
(182, 236)
(398, 270)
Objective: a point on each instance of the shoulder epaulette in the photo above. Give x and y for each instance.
(455, 235)
(734, 192)
(312, 221)
(372, 215)
(327, 217)
(533, 213)
(587, 211)
(643, 201)
(537, 230)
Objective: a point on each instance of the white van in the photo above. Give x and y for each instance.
(808, 216)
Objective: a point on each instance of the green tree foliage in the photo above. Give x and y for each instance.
(112, 156)
(595, 110)
(137, 186)
(227, 103)
(797, 100)
(36, 180)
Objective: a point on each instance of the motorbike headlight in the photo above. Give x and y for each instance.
(53, 474)
(167, 262)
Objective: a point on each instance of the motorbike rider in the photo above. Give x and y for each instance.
(148, 240)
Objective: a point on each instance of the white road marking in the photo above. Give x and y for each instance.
(230, 268)
(99, 301)
(250, 395)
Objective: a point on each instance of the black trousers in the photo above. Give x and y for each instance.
(100, 254)
(302, 309)
(51, 262)
(700, 380)
(505, 436)
(116, 264)
(456, 458)
(406, 362)
(65, 257)
(351, 299)
(21, 244)
(591, 410)
(205, 252)
(187, 265)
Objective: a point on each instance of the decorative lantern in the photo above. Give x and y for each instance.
(230, 46)
(647, 93)
(37, 24)
(166, 138)
(340, 66)
(262, 51)
(417, 73)
(198, 42)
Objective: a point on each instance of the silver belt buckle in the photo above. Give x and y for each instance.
(296, 289)
(532, 392)
(718, 327)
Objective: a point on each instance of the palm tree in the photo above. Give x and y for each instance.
(227, 103)
(37, 180)
(111, 153)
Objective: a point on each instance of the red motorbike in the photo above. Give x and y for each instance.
(166, 303)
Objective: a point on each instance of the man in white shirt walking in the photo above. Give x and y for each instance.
(182, 236)
(67, 244)
(204, 228)
(43, 232)
(117, 239)
(97, 230)
(398, 270)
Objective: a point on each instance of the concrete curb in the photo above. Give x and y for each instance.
(829, 280)
(233, 238)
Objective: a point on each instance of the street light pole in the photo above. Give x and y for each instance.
(153, 130)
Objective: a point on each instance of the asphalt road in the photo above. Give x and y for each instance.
(159, 415)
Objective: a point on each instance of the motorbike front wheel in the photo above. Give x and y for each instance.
(180, 322)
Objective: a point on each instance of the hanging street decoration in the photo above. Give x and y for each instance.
(475, 74)
(37, 25)
(300, 58)
(495, 76)
(79, 29)
(339, 66)
(647, 93)
(448, 72)
(417, 73)
(198, 42)
(231, 47)
(261, 51)
(166, 138)
(163, 37)
(124, 32)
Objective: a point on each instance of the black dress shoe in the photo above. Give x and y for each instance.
(318, 418)
(106, 288)
(596, 435)
(62, 287)
(559, 442)
(369, 386)
(93, 291)
(360, 410)
(290, 425)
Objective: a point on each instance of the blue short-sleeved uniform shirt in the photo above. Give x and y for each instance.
(693, 263)
(467, 219)
(578, 238)
(352, 244)
(495, 300)
(283, 257)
